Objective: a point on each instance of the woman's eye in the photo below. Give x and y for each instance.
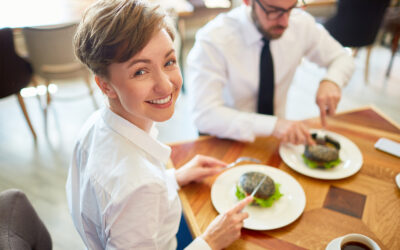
(139, 72)
(170, 62)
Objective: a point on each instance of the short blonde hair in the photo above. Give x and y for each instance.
(113, 31)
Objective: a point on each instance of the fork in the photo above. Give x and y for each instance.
(242, 159)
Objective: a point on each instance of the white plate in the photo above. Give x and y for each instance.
(283, 212)
(398, 180)
(349, 154)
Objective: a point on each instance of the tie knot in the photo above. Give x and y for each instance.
(265, 41)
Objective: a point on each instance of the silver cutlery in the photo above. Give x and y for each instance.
(258, 186)
(242, 159)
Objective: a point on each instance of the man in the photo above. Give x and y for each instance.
(226, 66)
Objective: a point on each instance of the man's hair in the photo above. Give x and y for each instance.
(113, 31)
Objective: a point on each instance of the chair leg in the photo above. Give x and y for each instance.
(35, 84)
(46, 106)
(366, 71)
(48, 95)
(355, 51)
(23, 107)
(87, 81)
(395, 44)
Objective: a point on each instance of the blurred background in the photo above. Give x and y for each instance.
(57, 106)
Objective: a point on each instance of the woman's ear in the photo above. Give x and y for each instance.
(105, 87)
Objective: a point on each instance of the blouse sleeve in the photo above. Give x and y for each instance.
(132, 222)
(198, 244)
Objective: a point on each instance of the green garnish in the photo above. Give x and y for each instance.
(262, 202)
(326, 165)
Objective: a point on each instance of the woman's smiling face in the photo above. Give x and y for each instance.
(144, 89)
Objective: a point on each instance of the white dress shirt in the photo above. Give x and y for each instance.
(119, 193)
(223, 71)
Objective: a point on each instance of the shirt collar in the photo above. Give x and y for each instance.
(249, 29)
(146, 141)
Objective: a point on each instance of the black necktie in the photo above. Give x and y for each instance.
(266, 90)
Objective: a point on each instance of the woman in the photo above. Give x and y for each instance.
(120, 195)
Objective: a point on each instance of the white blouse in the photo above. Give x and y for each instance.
(119, 193)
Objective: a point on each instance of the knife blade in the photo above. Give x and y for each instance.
(258, 186)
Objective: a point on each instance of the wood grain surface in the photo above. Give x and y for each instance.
(367, 202)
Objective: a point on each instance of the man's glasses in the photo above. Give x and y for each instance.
(277, 12)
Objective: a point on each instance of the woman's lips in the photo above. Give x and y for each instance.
(162, 102)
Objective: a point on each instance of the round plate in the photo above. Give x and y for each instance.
(349, 154)
(283, 212)
(398, 180)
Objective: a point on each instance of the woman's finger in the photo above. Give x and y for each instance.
(239, 207)
(243, 216)
(210, 161)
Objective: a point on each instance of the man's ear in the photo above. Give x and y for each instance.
(105, 86)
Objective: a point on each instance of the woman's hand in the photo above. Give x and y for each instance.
(295, 132)
(198, 168)
(226, 228)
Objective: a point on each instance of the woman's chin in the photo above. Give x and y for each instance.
(164, 117)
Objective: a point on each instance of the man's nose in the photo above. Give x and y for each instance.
(283, 20)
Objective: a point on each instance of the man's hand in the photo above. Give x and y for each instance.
(328, 97)
(295, 132)
(197, 169)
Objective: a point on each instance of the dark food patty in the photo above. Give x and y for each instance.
(249, 181)
(326, 149)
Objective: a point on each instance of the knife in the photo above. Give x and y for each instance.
(258, 186)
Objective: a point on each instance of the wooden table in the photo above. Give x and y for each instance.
(367, 202)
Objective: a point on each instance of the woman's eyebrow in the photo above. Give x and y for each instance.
(138, 61)
(169, 52)
(147, 60)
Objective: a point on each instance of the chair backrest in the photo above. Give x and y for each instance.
(15, 72)
(51, 50)
(20, 226)
(391, 21)
(357, 22)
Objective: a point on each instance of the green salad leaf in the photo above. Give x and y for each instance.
(327, 165)
(262, 202)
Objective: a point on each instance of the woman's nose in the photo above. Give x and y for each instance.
(163, 83)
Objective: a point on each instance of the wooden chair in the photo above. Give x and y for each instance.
(15, 72)
(391, 25)
(52, 56)
(356, 24)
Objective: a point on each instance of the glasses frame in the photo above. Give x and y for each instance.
(277, 9)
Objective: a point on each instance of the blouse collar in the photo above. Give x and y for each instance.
(146, 141)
